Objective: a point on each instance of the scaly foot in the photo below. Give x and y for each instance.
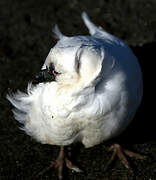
(121, 152)
(58, 164)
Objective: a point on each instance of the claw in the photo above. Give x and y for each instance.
(121, 152)
(59, 163)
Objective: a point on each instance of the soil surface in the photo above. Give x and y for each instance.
(25, 40)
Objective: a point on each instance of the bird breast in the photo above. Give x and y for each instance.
(61, 119)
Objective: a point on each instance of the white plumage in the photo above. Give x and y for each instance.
(95, 96)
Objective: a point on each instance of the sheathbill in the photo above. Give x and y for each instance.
(88, 91)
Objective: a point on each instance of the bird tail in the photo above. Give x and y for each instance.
(93, 29)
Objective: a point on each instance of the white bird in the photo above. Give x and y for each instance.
(88, 91)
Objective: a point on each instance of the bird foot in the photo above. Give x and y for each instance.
(121, 152)
(59, 163)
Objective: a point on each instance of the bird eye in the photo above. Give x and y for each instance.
(55, 73)
(52, 70)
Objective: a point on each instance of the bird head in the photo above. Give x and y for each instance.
(72, 62)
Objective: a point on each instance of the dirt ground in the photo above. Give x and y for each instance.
(25, 40)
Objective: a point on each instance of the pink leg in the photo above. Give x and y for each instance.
(121, 152)
(59, 163)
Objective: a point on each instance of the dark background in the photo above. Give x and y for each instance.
(25, 40)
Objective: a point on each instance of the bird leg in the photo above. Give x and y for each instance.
(59, 162)
(121, 152)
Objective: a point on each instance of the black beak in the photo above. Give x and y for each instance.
(44, 76)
